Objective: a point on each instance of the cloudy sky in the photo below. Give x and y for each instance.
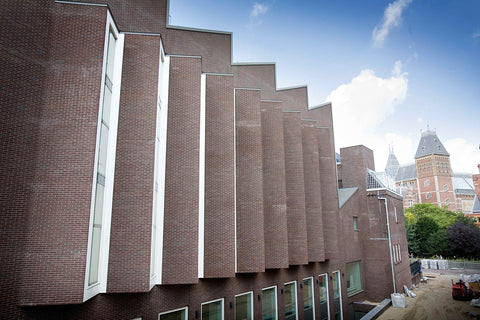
(390, 68)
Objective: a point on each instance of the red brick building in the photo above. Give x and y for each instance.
(476, 205)
(146, 176)
(430, 179)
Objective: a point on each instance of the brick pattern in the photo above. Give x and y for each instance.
(329, 192)
(214, 48)
(137, 16)
(60, 185)
(53, 56)
(313, 196)
(274, 188)
(249, 183)
(261, 76)
(131, 227)
(355, 162)
(295, 189)
(219, 178)
(180, 250)
(22, 85)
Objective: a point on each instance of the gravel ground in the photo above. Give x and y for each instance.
(434, 300)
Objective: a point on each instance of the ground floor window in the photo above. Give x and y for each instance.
(212, 310)
(337, 295)
(179, 314)
(290, 296)
(354, 280)
(308, 308)
(324, 304)
(244, 306)
(269, 303)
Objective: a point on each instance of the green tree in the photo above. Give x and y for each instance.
(426, 226)
(464, 239)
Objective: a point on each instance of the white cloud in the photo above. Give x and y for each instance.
(258, 9)
(476, 35)
(392, 17)
(419, 120)
(464, 156)
(364, 103)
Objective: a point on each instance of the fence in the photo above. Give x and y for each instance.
(464, 266)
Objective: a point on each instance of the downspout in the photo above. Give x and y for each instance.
(389, 240)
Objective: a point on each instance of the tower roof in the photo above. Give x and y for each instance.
(392, 164)
(430, 144)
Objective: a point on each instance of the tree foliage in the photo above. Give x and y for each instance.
(464, 239)
(437, 231)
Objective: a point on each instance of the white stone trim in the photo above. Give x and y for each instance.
(101, 285)
(201, 178)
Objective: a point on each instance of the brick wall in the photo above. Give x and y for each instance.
(274, 188)
(249, 183)
(131, 227)
(313, 196)
(295, 189)
(219, 177)
(61, 184)
(180, 250)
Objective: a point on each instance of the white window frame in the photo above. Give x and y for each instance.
(328, 292)
(212, 301)
(296, 295)
(426, 183)
(90, 290)
(250, 293)
(355, 223)
(158, 201)
(339, 291)
(360, 275)
(312, 293)
(276, 300)
(175, 310)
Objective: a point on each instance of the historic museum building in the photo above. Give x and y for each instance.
(146, 176)
(431, 179)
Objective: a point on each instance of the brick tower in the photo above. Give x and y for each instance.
(434, 171)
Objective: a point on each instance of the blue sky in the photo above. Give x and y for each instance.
(390, 68)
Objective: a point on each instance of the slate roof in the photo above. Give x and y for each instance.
(392, 165)
(344, 195)
(406, 172)
(476, 205)
(430, 144)
(462, 181)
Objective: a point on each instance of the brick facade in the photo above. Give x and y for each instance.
(249, 182)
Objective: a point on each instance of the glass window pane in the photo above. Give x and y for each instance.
(102, 152)
(175, 315)
(98, 211)
(107, 102)
(111, 55)
(94, 256)
(308, 310)
(323, 286)
(243, 307)
(212, 310)
(354, 281)
(269, 307)
(290, 295)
